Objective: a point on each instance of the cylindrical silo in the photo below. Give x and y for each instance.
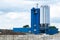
(44, 16)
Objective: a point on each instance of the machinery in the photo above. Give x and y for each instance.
(40, 20)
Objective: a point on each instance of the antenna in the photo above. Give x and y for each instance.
(37, 5)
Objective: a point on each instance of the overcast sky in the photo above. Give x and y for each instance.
(16, 13)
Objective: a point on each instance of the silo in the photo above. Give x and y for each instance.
(44, 16)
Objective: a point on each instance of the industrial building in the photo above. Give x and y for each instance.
(40, 21)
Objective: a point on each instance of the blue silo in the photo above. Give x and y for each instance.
(35, 20)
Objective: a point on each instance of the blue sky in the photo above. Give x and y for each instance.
(16, 13)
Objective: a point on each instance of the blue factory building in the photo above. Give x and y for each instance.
(36, 26)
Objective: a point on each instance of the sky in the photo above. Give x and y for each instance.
(16, 13)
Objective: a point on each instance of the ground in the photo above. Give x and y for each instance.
(30, 37)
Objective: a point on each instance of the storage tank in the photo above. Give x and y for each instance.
(44, 16)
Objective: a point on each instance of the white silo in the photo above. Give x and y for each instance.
(44, 15)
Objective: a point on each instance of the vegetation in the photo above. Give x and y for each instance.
(52, 27)
(26, 26)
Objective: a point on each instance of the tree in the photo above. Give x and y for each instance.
(26, 26)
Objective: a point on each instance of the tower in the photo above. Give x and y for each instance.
(44, 18)
(35, 20)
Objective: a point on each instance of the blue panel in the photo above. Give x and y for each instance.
(24, 30)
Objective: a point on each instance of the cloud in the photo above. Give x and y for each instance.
(15, 5)
(54, 11)
(46, 1)
(54, 14)
(55, 20)
(21, 6)
(14, 19)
